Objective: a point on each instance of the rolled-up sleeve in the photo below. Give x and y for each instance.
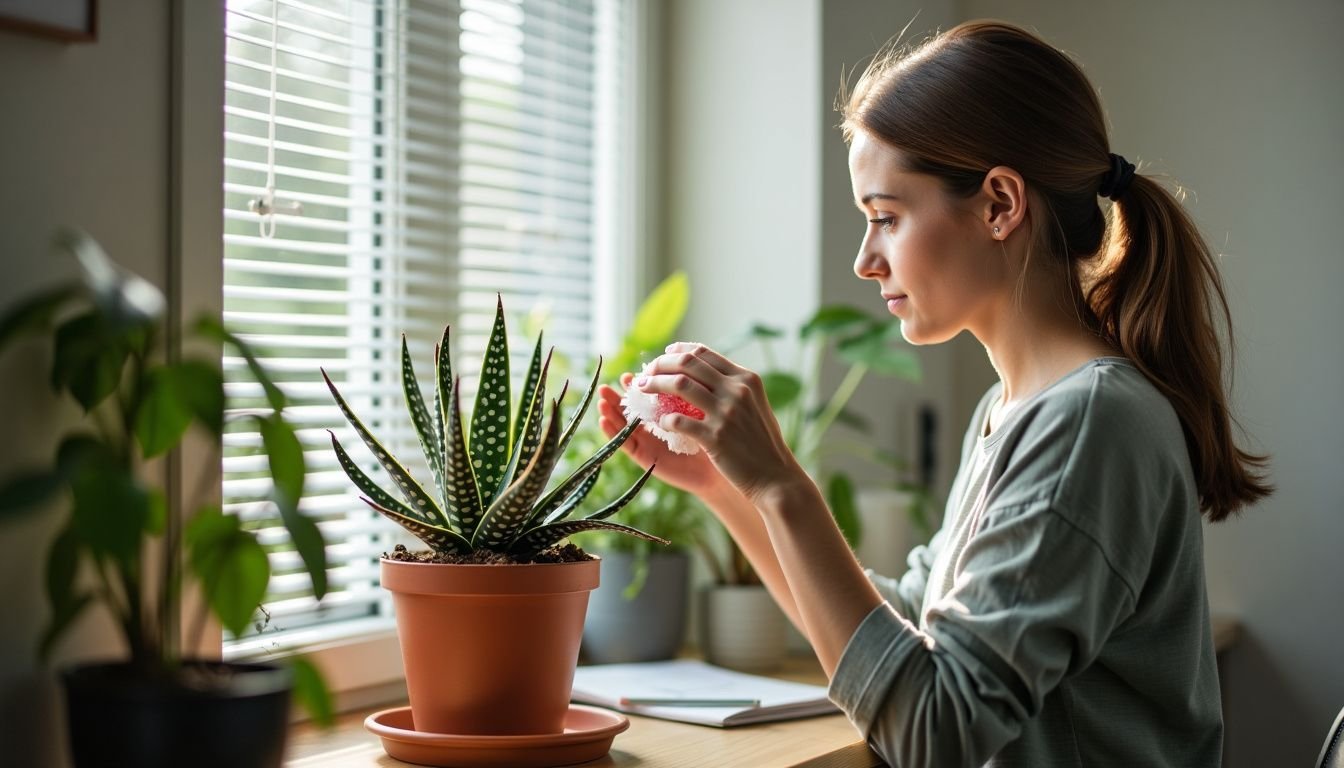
(906, 594)
(1034, 598)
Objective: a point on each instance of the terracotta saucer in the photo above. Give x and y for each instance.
(588, 734)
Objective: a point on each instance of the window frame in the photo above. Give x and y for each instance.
(362, 665)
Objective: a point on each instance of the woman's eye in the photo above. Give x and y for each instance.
(885, 223)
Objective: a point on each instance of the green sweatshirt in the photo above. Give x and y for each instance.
(1059, 617)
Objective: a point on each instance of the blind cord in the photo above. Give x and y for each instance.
(266, 204)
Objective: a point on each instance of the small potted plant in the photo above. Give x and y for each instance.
(159, 707)
(490, 618)
(638, 613)
(740, 625)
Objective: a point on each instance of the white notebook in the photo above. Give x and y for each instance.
(610, 685)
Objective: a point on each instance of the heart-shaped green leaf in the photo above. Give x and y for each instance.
(174, 394)
(834, 320)
(873, 350)
(88, 359)
(27, 492)
(34, 315)
(781, 389)
(231, 566)
(840, 497)
(285, 454)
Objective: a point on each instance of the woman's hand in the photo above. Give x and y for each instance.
(693, 473)
(739, 432)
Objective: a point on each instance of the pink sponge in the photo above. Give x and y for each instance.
(653, 407)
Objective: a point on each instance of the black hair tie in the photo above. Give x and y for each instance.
(1117, 179)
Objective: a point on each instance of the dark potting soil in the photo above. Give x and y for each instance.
(567, 553)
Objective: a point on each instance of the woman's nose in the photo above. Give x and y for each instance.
(869, 264)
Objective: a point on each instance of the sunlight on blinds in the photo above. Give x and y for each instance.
(424, 155)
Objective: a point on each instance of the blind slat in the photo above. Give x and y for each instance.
(443, 153)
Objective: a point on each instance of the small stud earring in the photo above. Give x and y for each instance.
(996, 231)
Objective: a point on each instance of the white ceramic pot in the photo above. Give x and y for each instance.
(888, 532)
(742, 628)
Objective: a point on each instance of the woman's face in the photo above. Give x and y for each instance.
(932, 256)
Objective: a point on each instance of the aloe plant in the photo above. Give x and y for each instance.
(491, 473)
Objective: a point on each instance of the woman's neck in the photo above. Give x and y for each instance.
(1032, 350)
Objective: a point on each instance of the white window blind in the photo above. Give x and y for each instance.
(390, 166)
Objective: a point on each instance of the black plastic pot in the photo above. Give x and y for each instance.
(214, 714)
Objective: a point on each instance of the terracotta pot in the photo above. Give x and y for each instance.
(118, 716)
(490, 649)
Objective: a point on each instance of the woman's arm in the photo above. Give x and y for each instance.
(790, 536)
(698, 476)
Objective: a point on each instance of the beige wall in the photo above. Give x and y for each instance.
(86, 141)
(740, 210)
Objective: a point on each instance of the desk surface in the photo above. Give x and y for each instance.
(821, 742)
(816, 742)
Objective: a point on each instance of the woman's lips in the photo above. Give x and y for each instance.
(896, 303)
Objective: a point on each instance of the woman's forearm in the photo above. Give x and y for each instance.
(744, 524)
(828, 590)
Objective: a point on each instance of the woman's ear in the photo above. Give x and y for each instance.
(1005, 195)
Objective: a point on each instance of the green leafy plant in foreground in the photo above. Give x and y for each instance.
(491, 473)
(107, 331)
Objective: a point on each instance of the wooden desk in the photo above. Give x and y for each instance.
(818, 742)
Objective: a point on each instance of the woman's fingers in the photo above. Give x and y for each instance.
(685, 376)
(711, 358)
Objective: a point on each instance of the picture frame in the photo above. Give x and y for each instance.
(71, 21)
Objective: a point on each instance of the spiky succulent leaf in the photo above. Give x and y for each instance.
(415, 495)
(505, 518)
(572, 426)
(528, 437)
(623, 499)
(424, 424)
(562, 491)
(443, 390)
(573, 500)
(438, 539)
(538, 539)
(366, 484)
(529, 390)
(464, 496)
(489, 443)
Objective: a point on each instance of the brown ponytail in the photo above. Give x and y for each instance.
(1156, 294)
(985, 94)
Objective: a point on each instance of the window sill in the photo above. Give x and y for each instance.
(361, 660)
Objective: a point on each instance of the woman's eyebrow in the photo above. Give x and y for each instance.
(871, 196)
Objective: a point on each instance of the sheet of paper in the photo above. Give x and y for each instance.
(607, 684)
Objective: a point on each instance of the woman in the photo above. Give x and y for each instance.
(1059, 617)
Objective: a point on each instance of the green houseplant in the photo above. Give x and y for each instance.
(737, 603)
(106, 332)
(490, 618)
(639, 611)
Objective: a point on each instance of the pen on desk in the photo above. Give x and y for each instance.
(673, 702)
